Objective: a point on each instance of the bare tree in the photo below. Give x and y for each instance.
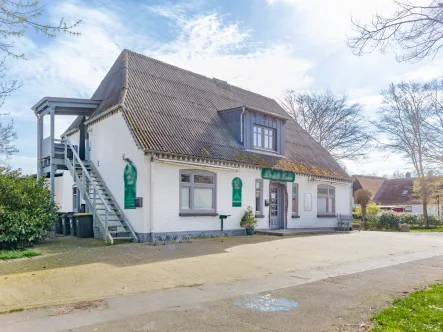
(403, 121)
(398, 175)
(435, 122)
(338, 125)
(417, 31)
(16, 17)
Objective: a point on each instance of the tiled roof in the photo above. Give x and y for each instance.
(396, 192)
(371, 183)
(175, 111)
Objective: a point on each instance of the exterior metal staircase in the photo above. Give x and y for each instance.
(107, 214)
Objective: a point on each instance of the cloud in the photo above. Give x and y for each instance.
(209, 45)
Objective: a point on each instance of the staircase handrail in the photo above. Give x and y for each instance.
(85, 171)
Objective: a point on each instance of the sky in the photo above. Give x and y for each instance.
(265, 46)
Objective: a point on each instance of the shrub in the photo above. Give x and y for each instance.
(410, 218)
(434, 221)
(373, 209)
(26, 211)
(389, 220)
(248, 220)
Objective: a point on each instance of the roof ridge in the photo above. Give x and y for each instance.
(368, 176)
(196, 74)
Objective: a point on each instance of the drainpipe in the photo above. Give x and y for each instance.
(241, 124)
(151, 192)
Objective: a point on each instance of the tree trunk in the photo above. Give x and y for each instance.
(363, 213)
(425, 213)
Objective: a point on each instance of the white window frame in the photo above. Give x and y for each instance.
(192, 186)
(259, 212)
(295, 193)
(330, 194)
(264, 138)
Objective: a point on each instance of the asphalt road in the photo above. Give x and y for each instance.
(338, 298)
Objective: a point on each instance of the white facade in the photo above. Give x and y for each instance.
(158, 183)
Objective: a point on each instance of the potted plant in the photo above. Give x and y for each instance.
(248, 221)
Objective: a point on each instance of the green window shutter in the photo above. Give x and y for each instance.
(237, 185)
(130, 179)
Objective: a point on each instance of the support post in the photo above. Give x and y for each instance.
(52, 167)
(39, 145)
(52, 154)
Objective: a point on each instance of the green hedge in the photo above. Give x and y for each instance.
(390, 220)
(26, 211)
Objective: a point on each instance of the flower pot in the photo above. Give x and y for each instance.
(249, 231)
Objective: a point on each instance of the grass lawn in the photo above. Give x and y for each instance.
(13, 254)
(421, 311)
(427, 230)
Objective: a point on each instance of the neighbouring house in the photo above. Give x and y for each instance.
(371, 183)
(393, 194)
(159, 152)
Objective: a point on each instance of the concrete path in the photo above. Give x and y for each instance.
(68, 273)
(339, 297)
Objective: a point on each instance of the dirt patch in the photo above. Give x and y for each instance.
(78, 307)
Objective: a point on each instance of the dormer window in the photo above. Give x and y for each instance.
(264, 138)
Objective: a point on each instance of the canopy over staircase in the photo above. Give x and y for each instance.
(60, 154)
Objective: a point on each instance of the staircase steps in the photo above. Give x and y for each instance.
(118, 227)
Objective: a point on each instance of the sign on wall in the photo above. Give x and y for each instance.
(130, 179)
(277, 175)
(237, 185)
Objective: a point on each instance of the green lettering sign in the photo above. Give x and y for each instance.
(130, 179)
(277, 175)
(237, 185)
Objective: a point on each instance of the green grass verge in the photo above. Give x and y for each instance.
(427, 230)
(13, 254)
(421, 311)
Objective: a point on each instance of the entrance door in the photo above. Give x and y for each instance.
(276, 207)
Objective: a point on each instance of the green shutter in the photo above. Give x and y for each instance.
(130, 179)
(237, 185)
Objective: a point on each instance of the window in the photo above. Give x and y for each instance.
(264, 138)
(405, 192)
(295, 212)
(258, 197)
(325, 200)
(197, 192)
(408, 209)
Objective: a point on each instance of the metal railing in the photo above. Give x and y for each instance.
(84, 187)
(117, 207)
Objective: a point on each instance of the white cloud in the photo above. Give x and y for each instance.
(28, 165)
(66, 66)
(209, 46)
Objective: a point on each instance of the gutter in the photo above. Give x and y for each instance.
(102, 114)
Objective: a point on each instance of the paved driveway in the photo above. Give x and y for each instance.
(74, 270)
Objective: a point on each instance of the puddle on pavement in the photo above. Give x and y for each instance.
(266, 303)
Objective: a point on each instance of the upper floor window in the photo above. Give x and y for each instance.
(264, 138)
(325, 200)
(197, 192)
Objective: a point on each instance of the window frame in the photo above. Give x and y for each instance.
(259, 213)
(192, 186)
(264, 137)
(327, 196)
(297, 205)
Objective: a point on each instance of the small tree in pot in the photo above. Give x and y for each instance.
(248, 221)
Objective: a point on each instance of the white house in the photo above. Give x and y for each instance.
(395, 194)
(159, 152)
